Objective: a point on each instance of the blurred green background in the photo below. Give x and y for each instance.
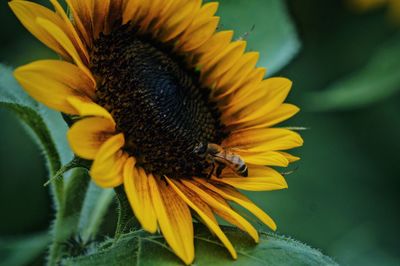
(343, 199)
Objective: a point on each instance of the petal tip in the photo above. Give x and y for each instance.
(12, 5)
(234, 255)
(151, 230)
(188, 260)
(274, 227)
(17, 73)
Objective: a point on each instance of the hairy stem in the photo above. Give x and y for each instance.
(126, 219)
(67, 217)
(94, 210)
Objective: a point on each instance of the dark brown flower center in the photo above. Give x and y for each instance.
(156, 101)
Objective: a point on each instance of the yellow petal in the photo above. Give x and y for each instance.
(66, 73)
(209, 9)
(213, 46)
(232, 194)
(262, 140)
(235, 49)
(278, 89)
(180, 20)
(114, 14)
(252, 184)
(174, 219)
(71, 32)
(168, 9)
(100, 13)
(132, 9)
(270, 158)
(204, 212)
(88, 135)
(201, 29)
(107, 167)
(221, 213)
(223, 62)
(232, 79)
(226, 212)
(27, 12)
(246, 90)
(110, 173)
(290, 157)
(193, 200)
(280, 114)
(138, 192)
(82, 12)
(259, 179)
(86, 107)
(215, 204)
(151, 10)
(61, 37)
(283, 143)
(112, 145)
(52, 82)
(195, 37)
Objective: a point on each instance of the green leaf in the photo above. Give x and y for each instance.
(274, 34)
(139, 248)
(22, 251)
(378, 80)
(39, 119)
(33, 116)
(95, 206)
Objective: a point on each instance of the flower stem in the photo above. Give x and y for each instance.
(126, 219)
(57, 188)
(67, 217)
(57, 177)
(94, 210)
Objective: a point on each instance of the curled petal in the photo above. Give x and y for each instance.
(107, 168)
(88, 135)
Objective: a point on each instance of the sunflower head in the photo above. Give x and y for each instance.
(169, 107)
(156, 101)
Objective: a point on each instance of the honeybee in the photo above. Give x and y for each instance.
(217, 155)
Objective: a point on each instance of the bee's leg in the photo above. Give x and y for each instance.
(219, 170)
(212, 170)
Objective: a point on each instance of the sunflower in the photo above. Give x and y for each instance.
(153, 85)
